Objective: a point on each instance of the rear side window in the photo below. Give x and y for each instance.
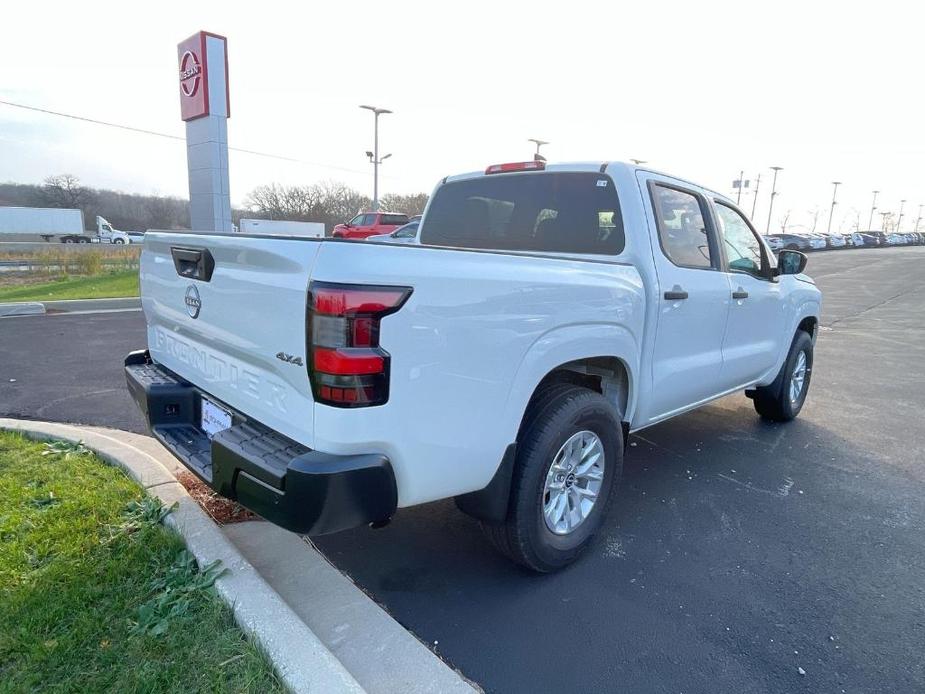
(682, 230)
(561, 212)
(397, 219)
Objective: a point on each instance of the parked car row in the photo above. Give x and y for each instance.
(806, 241)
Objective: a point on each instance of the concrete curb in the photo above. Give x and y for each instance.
(302, 661)
(22, 308)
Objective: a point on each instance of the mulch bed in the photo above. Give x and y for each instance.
(220, 509)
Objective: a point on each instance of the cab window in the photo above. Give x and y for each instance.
(682, 229)
(743, 248)
(363, 220)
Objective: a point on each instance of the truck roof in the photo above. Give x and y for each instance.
(594, 166)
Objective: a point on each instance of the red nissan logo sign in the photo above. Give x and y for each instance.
(190, 73)
(196, 75)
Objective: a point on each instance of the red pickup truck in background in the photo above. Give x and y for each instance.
(370, 224)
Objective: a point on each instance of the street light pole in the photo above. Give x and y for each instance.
(755, 199)
(873, 208)
(375, 154)
(775, 169)
(899, 221)
(741, 181)
(918, 219)
(835, 185)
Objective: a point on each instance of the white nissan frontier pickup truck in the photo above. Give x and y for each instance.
(546, 312)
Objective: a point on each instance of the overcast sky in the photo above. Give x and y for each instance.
(829, 91)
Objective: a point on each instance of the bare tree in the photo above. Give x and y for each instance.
(63, 190)
(165, 213)
(329, 202)
(815, 213)
(409, 204)
(853, 219)
(784, 220)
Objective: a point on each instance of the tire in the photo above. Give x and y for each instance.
(774, 402)
(119, 241)
(560, 414)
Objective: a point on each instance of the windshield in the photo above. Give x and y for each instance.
(409, 231)
(566, 212)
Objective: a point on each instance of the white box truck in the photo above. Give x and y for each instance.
(276, 227)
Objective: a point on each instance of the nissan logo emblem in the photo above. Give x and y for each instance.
(190, 73)
(192, 301)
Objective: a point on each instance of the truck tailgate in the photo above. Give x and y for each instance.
(228, 314)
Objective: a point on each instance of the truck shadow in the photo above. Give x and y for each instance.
(688, 478)
(724, 524)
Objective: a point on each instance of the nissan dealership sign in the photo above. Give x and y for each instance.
(203, 76)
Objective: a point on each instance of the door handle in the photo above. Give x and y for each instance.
(676, 295)
(740, 294)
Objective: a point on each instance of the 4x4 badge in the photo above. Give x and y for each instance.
(289, 359)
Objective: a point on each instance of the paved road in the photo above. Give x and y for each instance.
(737, 551)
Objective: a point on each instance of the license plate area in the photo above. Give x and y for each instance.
(213, 417)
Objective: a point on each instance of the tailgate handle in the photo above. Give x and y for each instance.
(193, 263)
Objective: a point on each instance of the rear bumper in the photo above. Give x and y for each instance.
(299, 489)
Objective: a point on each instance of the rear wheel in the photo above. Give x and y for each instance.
(783, 399)
(569, 458)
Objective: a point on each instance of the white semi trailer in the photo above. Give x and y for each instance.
(40, 221)
(65, 225)
(275, 227)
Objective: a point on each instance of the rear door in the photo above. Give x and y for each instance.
(693, 296)
(228, 314)
(755, 327)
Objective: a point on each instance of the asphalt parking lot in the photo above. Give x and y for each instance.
(739, 556)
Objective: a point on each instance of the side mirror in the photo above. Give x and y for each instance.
(790, 262)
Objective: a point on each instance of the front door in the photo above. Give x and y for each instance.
(693, 295)
(755, 328)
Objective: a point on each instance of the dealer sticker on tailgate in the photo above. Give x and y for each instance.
(214, 418)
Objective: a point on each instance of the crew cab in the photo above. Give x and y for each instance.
(546, 312)
(370, 224)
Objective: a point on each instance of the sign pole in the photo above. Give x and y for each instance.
(205, 107)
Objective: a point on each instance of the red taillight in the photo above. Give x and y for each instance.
(347, 367)
(339, 300)
(516, 166)
(341, 363)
